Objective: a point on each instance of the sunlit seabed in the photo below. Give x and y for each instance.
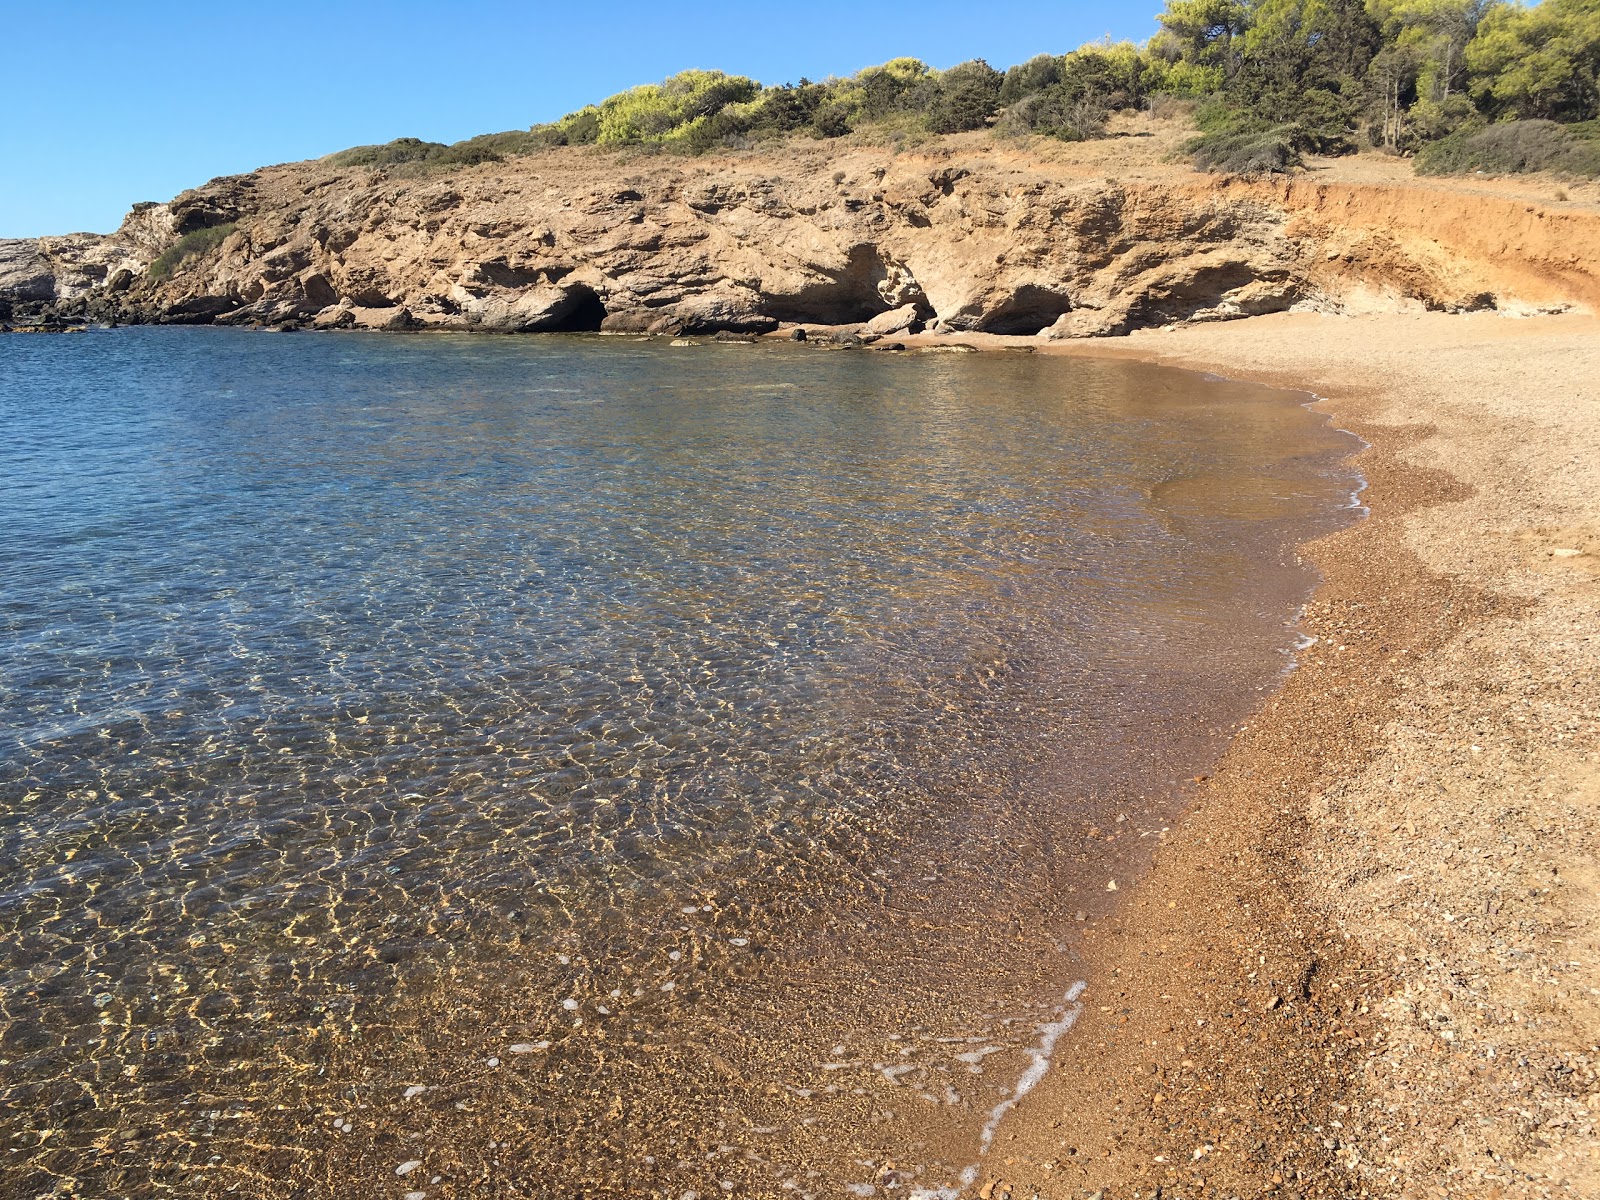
(586, 766)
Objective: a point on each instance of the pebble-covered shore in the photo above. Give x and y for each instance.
(1365, 964)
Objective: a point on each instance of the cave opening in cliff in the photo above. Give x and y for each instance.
(584, 315)
(1029, 309)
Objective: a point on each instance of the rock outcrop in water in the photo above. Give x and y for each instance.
(965, 236)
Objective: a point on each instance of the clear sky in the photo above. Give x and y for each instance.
(109, 103)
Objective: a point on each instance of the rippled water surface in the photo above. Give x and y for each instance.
(580, 766)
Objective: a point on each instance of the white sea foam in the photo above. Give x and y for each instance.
(1355, 504)
(976, 1056)
(1038, 1065)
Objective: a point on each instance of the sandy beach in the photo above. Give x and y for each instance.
(1365, 961)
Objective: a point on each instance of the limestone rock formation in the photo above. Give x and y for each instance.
(970, 237)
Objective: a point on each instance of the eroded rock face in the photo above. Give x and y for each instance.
(960, 240)
(25, 273)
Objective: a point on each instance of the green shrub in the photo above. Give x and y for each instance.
(1071, 97)
(1327, 121)
(1269, 151)
(1514, 148)
(964, 97)
(1038, 73)
(1053, 114)
(1115, 76)
(401, 150)
(832, 119)
(1190, 81)
(660, 112)
(581, 128)
(879, 91)
(412, 156)
(1235, 141)
(898, 131)
(188, 246)
(1431, 120)
(1216, 115)
(787, 109)
(491, 147)
(698, 111)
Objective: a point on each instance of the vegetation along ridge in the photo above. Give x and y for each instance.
(966, 200)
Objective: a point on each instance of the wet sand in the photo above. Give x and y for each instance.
(1365, 961)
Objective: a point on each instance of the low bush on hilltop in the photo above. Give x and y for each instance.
(401, 150)
(1516, 147)
(412, 155)
(1070, 97)
(1238, 142)
(1264, 151)
(672, 110)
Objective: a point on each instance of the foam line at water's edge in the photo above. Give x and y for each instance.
(1048, 1036)
(1050, 1033)
(1038, 1066)
(1362, 483)
(1303, 640)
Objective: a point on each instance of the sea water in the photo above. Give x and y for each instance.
(586, 766)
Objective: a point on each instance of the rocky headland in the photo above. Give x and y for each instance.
(966, 234)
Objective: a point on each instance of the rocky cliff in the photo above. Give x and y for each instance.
(967, 235)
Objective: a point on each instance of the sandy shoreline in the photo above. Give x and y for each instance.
(1365, 962)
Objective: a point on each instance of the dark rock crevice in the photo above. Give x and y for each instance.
(585, 312)
(870, 283)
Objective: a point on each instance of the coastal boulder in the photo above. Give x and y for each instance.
(335, 316)
(1086, 323)
(977, 300)
(811, 278)
(314, 285)
(390, 319)
(738, 311)
(905, 319)
(198, 310)
(271, 312)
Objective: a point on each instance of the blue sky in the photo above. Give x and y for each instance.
(113, 103)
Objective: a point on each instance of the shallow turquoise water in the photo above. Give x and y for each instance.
(682, 717)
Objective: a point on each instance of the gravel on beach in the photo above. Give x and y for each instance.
(1365, 963)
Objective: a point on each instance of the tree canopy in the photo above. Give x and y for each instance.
(1277, 78)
